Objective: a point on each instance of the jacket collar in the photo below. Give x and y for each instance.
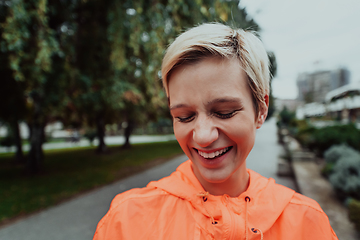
(266, 197)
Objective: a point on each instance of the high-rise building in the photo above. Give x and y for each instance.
(313, 87)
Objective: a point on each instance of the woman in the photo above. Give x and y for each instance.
(217, 83)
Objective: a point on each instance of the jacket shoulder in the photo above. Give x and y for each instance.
(142, 214)
(302, 200)
(136, 194)
(123, 207)
(311, 220)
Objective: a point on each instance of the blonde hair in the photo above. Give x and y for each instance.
(218, 40)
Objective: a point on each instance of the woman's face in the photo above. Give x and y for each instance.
(214, 118)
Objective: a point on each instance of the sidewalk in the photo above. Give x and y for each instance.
(315, 186)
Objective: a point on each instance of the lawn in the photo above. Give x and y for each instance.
(69, 172)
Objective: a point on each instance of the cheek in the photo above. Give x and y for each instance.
(242, 132)
(181, 133)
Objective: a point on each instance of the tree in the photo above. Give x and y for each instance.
(95, 62)
(240, 19)
(33, 49)
(93, 89)
(12, 105)
(273, 70)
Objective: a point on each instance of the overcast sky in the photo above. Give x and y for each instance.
(308, 35)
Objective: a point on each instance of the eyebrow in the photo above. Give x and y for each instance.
(214, 101)
(181, 105)
(225, 100)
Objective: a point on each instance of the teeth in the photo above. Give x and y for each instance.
(213, 154)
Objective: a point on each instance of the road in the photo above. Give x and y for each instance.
(77, 218)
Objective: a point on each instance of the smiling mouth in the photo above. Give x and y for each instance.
(215, 154)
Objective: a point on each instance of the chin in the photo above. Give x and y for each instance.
(215, 175)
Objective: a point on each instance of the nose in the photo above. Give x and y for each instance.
(205, 131)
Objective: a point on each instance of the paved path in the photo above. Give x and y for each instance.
(77, 218)
(265, 154)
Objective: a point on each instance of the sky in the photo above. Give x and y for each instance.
(307, 36)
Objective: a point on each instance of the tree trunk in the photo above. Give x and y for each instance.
(36, 155)
(100, 126)
(37, 129)
(19, 156)
(128, 130)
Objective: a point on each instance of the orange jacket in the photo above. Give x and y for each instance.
(177, 207)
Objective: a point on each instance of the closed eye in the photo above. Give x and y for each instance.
(185, 119)
(226, 115)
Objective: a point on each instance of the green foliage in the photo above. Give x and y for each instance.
(95, 62)
(286, 117)
(273, 70)
(334, 153)
(354, 213)
(345, 176)
(239, 18)
(319, 140)
(90, 135)
(327, 169)
(305, 135)
(29, 39)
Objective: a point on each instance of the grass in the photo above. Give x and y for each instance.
(69, 172)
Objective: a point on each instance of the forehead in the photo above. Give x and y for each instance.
(208, 78)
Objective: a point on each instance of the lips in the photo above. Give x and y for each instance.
(214, 154)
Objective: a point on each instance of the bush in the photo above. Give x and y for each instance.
(345, 176)
(319, 140)
(354, 213)
(90, 135)
(333, 154)
(286, 117)
(305, 136)
(327, 169)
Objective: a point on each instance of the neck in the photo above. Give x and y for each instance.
(236, 184)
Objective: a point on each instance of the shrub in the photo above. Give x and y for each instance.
(334, 153)
(90, 135)
(319, 140)
(346, 176)
(354, 213)
(305, 136)
(337, 151)
(327, 169)
(286, 117)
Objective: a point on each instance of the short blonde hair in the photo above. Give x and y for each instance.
(218, 40)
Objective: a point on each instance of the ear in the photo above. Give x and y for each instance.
(263, 111)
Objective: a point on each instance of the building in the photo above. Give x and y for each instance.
(313, 87)
(342, 104)
(290, 104)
